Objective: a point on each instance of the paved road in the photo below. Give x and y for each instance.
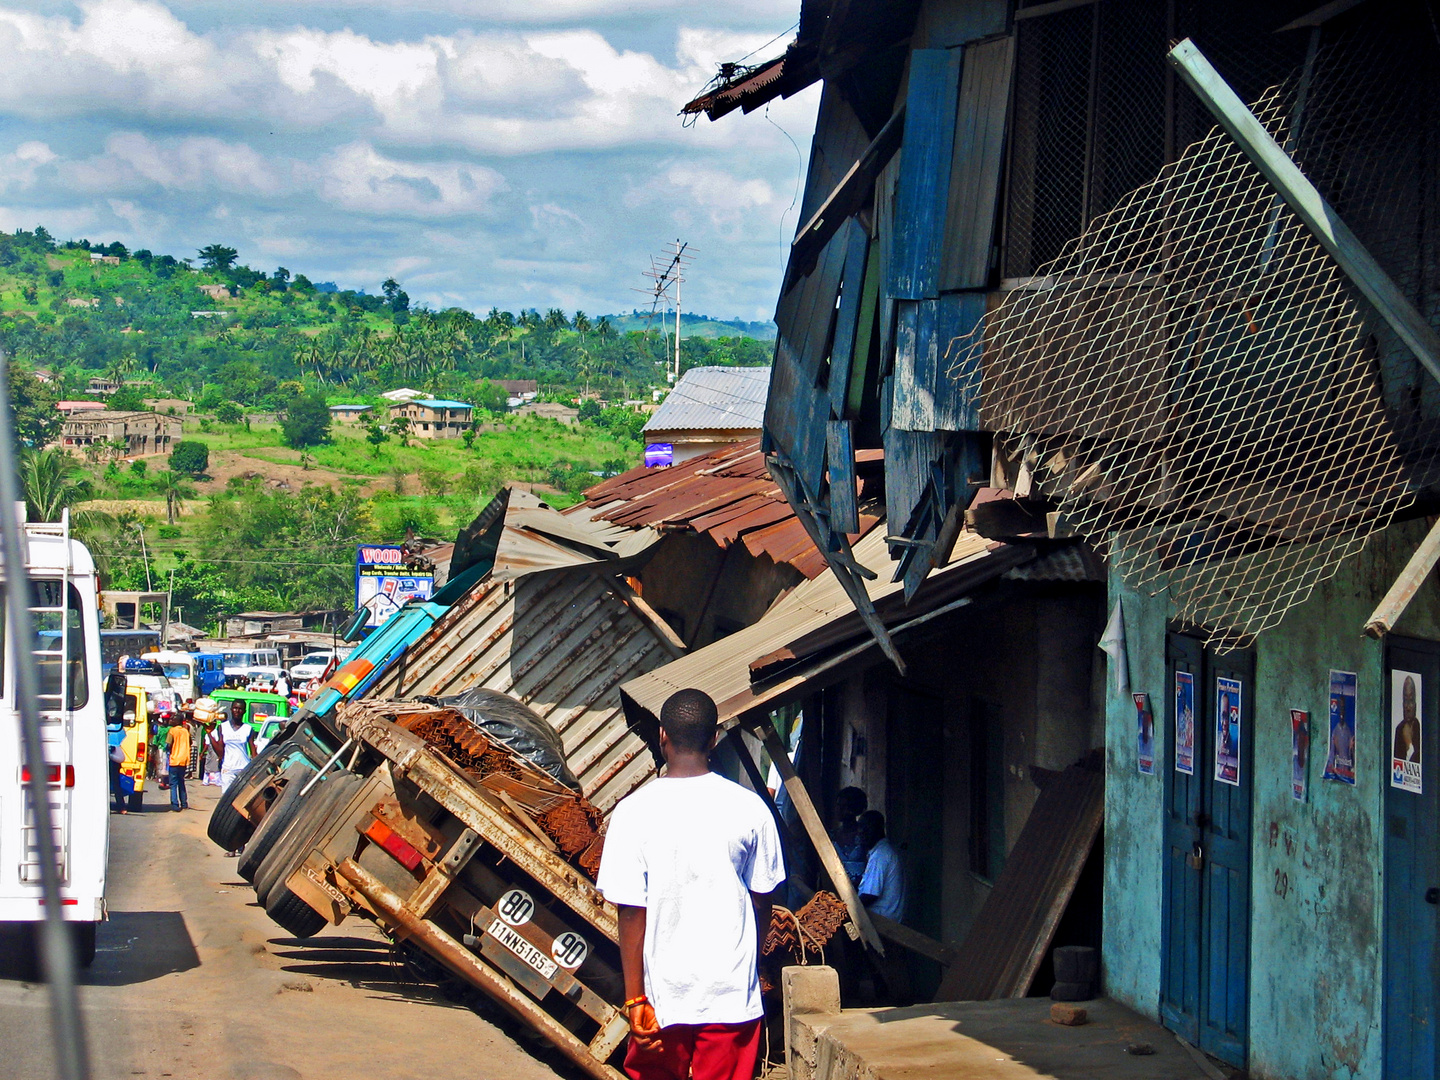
(191, 980)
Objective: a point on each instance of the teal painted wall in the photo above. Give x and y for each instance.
(1315, 978)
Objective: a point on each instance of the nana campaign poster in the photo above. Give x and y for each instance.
(1144, 734)
(1299, 753)
(1405, 688)
(1227, 731)
(1185, 723)
(1340, 753)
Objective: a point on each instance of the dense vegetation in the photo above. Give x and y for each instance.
(262, 503)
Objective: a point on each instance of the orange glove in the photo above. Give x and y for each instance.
(644, 1028)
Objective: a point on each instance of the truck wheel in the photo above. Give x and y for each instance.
(282, 812)
(228, 827)
(332, 797)
(293, 914)
(83, 936)
(135, 802)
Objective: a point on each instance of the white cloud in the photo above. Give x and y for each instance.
(132, 161)
(359, 178)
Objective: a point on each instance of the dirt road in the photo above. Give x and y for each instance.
(191, 980)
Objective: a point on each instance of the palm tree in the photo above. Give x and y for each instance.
(582, 325)
(52, 482)
(176, 489)
(605, 329)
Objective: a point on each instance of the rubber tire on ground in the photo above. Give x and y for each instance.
(321, 806)
(277, 819)
(1063, 991)
(135, 802)
(293, 914)
(228, 827)
(82, 935)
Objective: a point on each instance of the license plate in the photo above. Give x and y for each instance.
(507, 936)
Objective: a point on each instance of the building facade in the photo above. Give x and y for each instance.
(121, 433)
(431, 418)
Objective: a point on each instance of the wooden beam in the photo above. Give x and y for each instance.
(788, 839)
(819, 838)
(1309, 206)
(847, 197)
(915, 941)
(1387, 613)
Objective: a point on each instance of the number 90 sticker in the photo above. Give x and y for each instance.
(516, 907)
(569, 950)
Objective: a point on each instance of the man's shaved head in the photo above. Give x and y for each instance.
(689, 719)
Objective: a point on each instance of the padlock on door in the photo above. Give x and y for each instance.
(1196, 858)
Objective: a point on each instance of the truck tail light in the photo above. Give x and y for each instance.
(349, 676)
(140, 751)
(52, 775)
(405, 853)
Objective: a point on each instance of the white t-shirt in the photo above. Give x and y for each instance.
(237, 748)
(884, 879)
(691, 851)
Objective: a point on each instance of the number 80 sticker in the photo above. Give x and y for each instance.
(516, 907)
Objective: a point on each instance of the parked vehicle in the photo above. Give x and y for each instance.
(72, 710)
(117, 643)
(315, 664)
(263, 678)
(193, 675)
(138, 720)
(162, 699)
(238, 662)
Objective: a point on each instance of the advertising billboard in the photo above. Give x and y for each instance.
(383, 583)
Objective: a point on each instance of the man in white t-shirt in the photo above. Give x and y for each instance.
(691, 860)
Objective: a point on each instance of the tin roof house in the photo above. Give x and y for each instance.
(709, 407)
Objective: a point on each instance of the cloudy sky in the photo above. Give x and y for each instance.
(520, 153)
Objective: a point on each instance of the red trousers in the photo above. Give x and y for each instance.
(699, 1052)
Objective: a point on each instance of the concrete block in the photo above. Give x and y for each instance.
(809, 990)
(1069, 1015)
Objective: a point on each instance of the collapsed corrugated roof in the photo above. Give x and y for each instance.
(711, 398)
(815, 628)
(726, 494)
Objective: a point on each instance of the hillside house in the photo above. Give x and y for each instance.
(549, 410)
(102, 386)
(215, 291)
(349, 414)
(708, 408)
(404, 394)
(140, 433)
(70, 408)
(97, 259)
(434, 418)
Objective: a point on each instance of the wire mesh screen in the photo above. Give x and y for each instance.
(1193, 374)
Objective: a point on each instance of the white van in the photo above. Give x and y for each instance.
(179, 668)
(239, 662)
(313, 665)
(72, 713)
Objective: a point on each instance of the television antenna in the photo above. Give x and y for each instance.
(667, 275)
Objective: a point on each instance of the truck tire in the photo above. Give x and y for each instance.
(331, 797)
(293, 914)
(228, 827)
(83, 936)
(282, 812)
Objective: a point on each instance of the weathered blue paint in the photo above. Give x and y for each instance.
(957, 367)
(840, 451)
(924, 186)
(847, 318)
(1315, 960)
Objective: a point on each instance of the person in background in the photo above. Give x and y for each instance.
(691, 860)
(282, 684)
(850, 803)
(177, 746)
(882, 887)
(234, 742)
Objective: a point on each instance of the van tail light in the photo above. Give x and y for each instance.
(53, 775)
(405, 852)
(349, 676)
(140, 751)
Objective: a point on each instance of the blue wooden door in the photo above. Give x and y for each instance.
(1412, 876)
(1205, 966)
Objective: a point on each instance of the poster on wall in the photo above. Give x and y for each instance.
(1299, 753)
(1185, 723)
(384, 584)
(1227, 731)
(1405, 689)
(1144, 734)
(1340, 752)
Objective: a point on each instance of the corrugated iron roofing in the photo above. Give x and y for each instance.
(816, 616)
(726, 494)
(714, 398)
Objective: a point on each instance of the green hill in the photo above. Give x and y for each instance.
(224, 331)
(702, 326)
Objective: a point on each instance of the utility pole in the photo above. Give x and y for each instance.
(667, 271)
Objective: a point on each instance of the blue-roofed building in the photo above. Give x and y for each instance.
(710, 407)
(435, 418)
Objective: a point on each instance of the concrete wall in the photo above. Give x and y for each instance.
(1316, 899)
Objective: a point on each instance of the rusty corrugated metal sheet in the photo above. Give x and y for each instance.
(561, 641)
(727, 494)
